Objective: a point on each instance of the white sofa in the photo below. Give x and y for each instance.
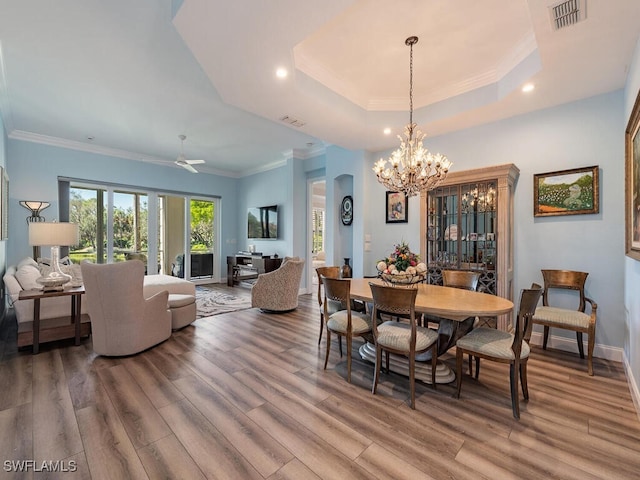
(23, 277)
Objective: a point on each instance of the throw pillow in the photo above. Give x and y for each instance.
(27, 276)
(26, 261)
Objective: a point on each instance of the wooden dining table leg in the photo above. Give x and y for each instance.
(449, 331)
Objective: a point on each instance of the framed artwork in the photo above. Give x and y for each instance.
(397, 210)
(632, 183)
(566, 192)
(4, 204)
(346, 210)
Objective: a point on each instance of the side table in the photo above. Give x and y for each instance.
(76, 302)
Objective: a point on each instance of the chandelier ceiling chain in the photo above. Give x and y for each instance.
(413, 168)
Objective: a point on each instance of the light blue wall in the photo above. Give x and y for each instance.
(3, 244)
(631, 266)
(345, 171)
(579, 134)
(262, 189)
(34, 170)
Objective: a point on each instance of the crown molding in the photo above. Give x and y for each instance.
(81, 146)
(107, 151)
(264, 168)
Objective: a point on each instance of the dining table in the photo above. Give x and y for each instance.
(457, 310)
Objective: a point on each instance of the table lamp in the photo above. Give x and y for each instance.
(54, 235)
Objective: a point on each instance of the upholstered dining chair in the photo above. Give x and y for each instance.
(462, 279)
(576, 320)
(399, 337)
(504, 347)
(329, 272)
(123, 322)
(347, 322)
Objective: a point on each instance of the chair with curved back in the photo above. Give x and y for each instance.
(464, 280)
(329, 272)
(399, 337)
(277, 291)
(504, 347)
(576, 320)
(123, 322)
(347, 322)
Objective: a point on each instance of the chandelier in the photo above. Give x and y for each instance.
(413, 168)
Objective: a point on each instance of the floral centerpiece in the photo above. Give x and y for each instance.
(402, 266)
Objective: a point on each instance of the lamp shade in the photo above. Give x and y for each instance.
(53, 234)
(34, 205)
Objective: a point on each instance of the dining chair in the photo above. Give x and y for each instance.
(503, 347)
(329, 272)
(347, 322)
(569, 319)
(464, 280)
(399, 337)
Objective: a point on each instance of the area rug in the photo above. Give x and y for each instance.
(214, 301)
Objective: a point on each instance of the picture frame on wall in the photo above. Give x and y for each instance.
(566, 192)
(632, 183)
(397, 207)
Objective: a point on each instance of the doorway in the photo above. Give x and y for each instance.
(317, 234)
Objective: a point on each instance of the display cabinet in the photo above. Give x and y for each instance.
(467, 224)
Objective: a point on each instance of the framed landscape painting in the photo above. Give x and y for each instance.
(566, 192)
(632, 183)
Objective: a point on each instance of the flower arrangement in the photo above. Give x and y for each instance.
(402, 265)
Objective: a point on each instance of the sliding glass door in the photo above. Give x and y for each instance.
(172, 234)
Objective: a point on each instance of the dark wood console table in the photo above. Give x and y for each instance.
(242, 267)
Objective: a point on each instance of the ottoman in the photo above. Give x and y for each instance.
(183, 310)
(174, 285)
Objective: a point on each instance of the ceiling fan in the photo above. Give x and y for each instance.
(182, 161)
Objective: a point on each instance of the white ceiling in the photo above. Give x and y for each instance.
(133, 76)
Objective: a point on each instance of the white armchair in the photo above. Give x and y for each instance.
(277, 291)
(123, 322)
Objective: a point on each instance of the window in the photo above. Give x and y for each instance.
(120, 223)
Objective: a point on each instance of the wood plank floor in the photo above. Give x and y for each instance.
(244, 396)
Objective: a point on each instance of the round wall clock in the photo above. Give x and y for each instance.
(346, 210)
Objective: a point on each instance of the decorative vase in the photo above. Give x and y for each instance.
(345, 270)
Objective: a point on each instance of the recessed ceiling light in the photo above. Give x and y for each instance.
(387, 131)
(528, 87)
(281, 72)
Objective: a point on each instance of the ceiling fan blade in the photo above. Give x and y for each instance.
(194, 162)
(186, 166)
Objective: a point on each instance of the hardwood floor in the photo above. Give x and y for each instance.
(244, 396)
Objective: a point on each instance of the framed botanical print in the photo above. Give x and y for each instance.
(632, 183)
(397, 208)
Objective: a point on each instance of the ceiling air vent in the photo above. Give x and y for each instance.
(567, 13)
(294, 122)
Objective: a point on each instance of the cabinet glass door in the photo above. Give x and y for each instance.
(461, 231)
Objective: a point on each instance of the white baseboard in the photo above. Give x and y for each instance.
(571, 345)
(633, 386)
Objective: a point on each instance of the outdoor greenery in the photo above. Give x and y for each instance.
(201, 225)
(127, 235)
